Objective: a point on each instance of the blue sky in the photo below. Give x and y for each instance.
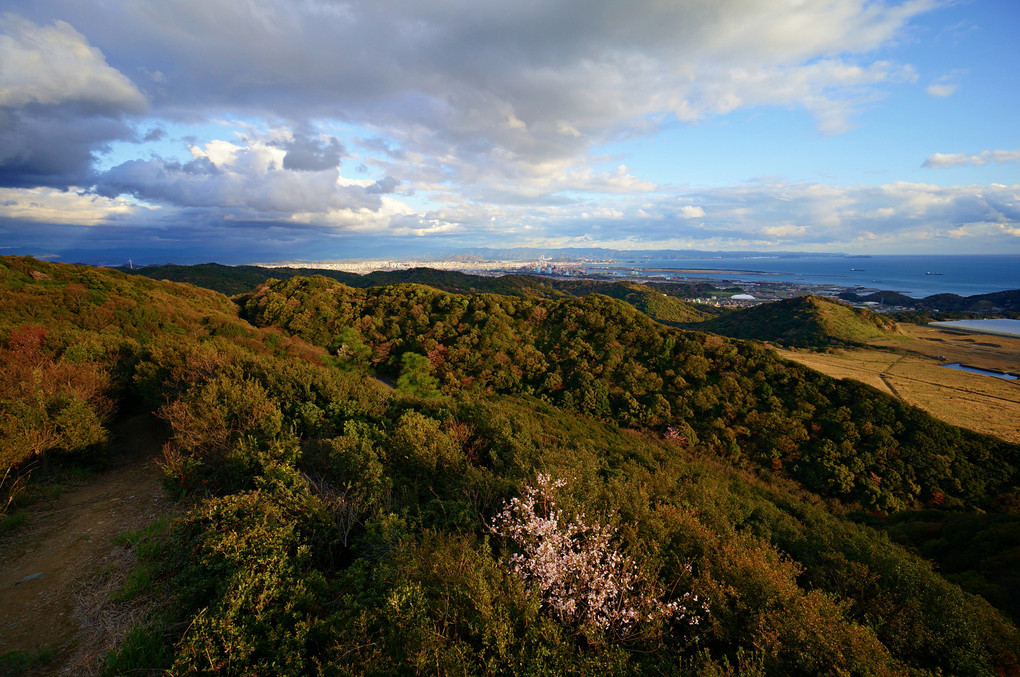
(196, 130)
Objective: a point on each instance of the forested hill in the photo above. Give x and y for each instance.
(232, 280)
(329, 525)
(602, 358)
(660, 302)
(229, 280)
(806, 321)
(653, 301)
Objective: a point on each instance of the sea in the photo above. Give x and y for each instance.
(914, 276)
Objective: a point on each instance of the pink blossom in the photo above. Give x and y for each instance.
(583, 580)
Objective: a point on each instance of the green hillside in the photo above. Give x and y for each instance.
(662, 306)
(230, 280)
(555, 487)
(658, 305)
(463, 283)
(601, 357)
(806, 321)
(233, 280)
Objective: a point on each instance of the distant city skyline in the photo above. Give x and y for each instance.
(260, 131)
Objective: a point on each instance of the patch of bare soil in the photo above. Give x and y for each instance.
(57, 572)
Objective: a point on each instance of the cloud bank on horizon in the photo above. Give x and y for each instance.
(258, 130)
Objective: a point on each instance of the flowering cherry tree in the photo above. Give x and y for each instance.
(584, 581)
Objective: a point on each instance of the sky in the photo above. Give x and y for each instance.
(305, 130)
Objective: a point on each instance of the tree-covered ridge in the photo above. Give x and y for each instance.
(331, 526)
(465, 283)
(229, 280)
(659, 301)
(232, 280)
(369, 539)
(805, 322)
(601, 357)
(1001, 301)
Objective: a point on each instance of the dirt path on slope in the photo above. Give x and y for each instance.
(886, 373)
(49, 569)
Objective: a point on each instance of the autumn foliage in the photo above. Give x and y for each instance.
(48, 404)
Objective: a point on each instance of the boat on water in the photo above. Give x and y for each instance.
(932, 273)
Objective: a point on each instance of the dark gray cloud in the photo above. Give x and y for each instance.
(250, 181)
(161, 181)
(154, 134)
(53, 145)
(306, 153)
(60, 104)
(383, 186)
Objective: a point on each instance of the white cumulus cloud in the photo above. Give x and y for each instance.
(56, 64)
(983, 158)
(65, 207)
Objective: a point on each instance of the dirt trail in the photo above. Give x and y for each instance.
(46, 564)
(886, 373)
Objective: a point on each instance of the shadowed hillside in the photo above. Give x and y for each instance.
(464, 283)
(232, 280)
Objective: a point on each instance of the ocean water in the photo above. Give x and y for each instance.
(963, 275)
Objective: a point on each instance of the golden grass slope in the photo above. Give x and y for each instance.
(910, 368)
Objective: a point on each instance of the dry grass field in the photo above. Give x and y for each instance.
(909, 368)
(986, 351)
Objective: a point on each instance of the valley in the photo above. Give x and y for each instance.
(910, 366)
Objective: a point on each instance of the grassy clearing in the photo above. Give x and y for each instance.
(982, 403)
(862, 365)
(999, 353)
